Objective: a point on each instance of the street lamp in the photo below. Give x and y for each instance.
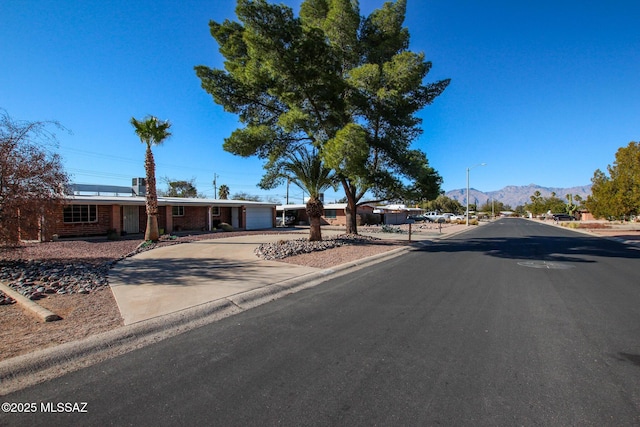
(468, 169)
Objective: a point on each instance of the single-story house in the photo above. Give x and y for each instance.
(97, 215)
(94, 215)
(334, 214)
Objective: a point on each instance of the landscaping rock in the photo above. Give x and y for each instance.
(5, 299)
(286, 248)
(36, 278)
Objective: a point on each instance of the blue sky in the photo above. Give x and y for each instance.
(544, 92)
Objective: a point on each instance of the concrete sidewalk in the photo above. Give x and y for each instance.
(174, 278)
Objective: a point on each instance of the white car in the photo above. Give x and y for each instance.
(432, 216)
(452, 217)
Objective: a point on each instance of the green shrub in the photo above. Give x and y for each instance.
(146, 244)
(225, 227)
(112, 234)
(367, 218)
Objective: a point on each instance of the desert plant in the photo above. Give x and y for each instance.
(225, 227)
(390, 229)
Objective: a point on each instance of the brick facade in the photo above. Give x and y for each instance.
(111, 217)
(194, 218)
(99, 227)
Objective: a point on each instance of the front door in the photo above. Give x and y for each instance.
(235, 222)
(131, 219)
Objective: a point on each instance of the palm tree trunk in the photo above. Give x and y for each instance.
(151, 233)
(314, 212)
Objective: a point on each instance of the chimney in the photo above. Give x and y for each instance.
(139, 186)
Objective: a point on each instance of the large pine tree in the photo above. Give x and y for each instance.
(345, 85)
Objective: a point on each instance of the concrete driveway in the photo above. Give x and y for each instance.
(173, 278)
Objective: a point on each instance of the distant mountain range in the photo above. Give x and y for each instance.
(514, 195)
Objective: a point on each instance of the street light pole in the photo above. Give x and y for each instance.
(468, 169)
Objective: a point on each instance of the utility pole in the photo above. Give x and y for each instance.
(215, 187)
(288, 180)
(284, 208)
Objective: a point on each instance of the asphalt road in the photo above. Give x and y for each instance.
(513, 323)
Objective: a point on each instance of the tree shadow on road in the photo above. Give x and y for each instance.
(546, 248)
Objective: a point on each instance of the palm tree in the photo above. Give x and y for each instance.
(307, 171)
(223, 192)
(151, 131)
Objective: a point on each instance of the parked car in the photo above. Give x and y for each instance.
(432, 216)
(288, 221)
(416, 218)
(563, 217)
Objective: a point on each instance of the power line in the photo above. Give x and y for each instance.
(134, 161)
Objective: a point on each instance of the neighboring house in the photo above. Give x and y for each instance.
(334, 214)
(396, 214)
(96, 214)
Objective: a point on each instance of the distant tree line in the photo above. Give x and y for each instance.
(553, 203)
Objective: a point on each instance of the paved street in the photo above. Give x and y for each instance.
(512, 323)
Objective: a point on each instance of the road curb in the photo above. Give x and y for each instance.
(42, 365)
(32, 307)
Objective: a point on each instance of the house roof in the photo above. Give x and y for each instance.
(298, 207)
(326, 206)
(165, 201)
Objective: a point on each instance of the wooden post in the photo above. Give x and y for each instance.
(409, 232)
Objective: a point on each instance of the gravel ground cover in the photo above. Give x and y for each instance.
(70, 278)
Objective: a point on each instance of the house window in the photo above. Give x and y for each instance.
(215, 211)
(177, 210)
(330, 213)
(80, 213)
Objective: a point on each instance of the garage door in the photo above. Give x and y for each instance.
(259, 218)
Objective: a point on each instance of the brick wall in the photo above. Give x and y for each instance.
(86, 228)
(195, 218)
(225, 216)
(142, 219)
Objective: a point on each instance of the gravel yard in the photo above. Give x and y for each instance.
(70, 278)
